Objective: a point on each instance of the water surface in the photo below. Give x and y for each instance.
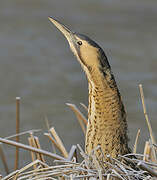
(37, 64)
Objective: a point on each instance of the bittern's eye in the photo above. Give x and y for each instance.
(79, 43)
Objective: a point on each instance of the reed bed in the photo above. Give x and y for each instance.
(69, 165)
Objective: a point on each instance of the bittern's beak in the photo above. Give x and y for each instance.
(66, 32)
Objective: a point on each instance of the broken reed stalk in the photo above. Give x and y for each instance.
(136, 141)
(27, 147)
(59, 142)
(34, 142)
(146, 115)
(54, 142)
(41, 157)
(153, 141)
(47, 134)
(84, 106)
(81, 118)
(17, 131)
(32, 153)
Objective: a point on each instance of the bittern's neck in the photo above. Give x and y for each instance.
(107, 125)
(103, 95)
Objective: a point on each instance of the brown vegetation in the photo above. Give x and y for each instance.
(67, 165)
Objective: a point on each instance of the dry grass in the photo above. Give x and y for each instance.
(67, 165)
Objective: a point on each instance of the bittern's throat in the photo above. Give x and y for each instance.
(107, 126)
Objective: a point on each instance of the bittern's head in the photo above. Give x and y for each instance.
(89, 54)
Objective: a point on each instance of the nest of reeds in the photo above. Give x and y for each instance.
(69, 166)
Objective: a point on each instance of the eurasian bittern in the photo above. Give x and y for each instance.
(107, 126)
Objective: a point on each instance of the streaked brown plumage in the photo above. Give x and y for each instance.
(107, 126)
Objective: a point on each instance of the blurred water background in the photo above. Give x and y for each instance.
(37, 64)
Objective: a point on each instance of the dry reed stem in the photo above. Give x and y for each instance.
(78, 171)
(146, 168)
(81, 118)
(47, 123)
(48, 127)
(72, 153)
(147, 151)
(146, 115)
(59, 141)
(78, 113)
(48, 169)
(84, 106)
(84, 156)
(53, 141)
(118, 175)
(108, 176)
(33, 144)
(27, 167)
(32, 153)
(136, 142)
(17, 131)
(37, 143)
(4, 159)
(23, 133)
(153, 152)
(23, 146)
(153, 141)
(10, 176)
